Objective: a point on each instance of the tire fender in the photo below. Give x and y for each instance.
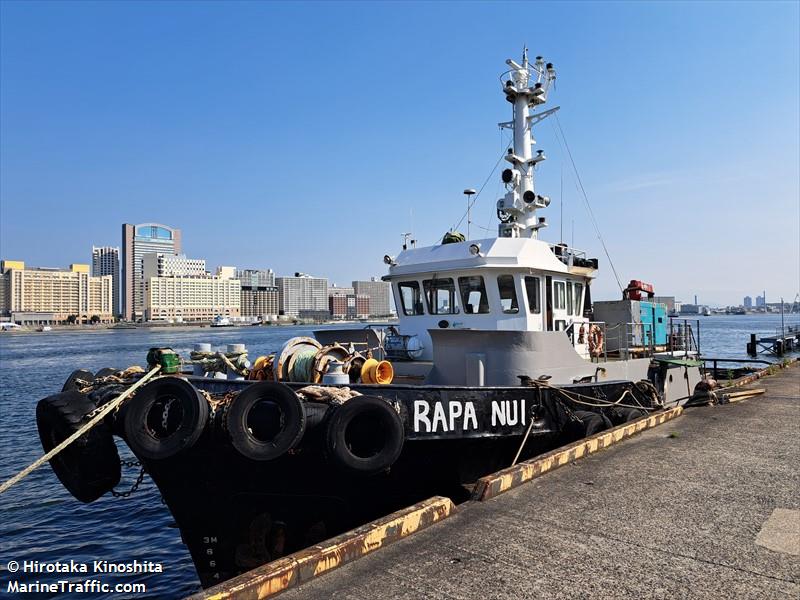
(364, 435)
(265, 420)
(90, 466)
(592, 422)
(78, 375)
(144, 418)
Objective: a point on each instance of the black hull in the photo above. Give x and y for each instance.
(236, 513)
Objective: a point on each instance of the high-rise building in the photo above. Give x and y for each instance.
(226, 272)
(41, 295)
(302, 293)
(160, 264)
(379, 293)
(260, 297)
(761, 301)
(336, 290)
(105, 261)
(256, 277)
(138, 240)
(260, 301)
(349, 306)
(748, 302)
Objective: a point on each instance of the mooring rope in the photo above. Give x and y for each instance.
(99, 416)
(217, 361)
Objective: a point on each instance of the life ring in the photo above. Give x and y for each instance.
(90, 466)
(166, 416)
(265, 420)
(595, 340)
(78, 379)
(364, 436)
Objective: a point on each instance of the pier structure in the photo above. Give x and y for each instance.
(784, 341)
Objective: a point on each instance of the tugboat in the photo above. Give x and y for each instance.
(496, 356)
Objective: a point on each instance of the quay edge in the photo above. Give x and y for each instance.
(295, 569)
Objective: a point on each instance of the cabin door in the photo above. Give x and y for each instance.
(559, 311)
(548, 294)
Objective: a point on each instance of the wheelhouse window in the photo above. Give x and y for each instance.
(473, 295)
(532, 290)
(559, 293)
(411, 298)
(508, 294)
(570, 308)
(441, 296)
(578, 299)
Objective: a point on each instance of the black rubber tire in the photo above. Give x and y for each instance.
(380, 420)
(287, 430)
(631, 414)
(623, 414)
(71, 382)
(140, 425)
(592, 422)
(105, 372)
(90, 466)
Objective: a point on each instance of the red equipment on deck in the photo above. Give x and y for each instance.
(635, 289)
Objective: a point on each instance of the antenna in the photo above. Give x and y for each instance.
(561, 233)
(469, 192)
(405, 237)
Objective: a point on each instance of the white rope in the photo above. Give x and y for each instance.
(94, 421)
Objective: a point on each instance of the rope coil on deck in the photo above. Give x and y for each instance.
(216, 362)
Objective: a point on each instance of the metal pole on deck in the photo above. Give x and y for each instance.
(783, 330)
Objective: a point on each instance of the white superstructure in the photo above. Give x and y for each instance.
(515, 282)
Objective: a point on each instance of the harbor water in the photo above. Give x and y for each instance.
(40, 521)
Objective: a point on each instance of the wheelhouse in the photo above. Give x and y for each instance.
(513, 284)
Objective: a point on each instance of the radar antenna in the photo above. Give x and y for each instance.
(525, 86)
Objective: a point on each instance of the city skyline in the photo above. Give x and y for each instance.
(239, 153)
(241, 272)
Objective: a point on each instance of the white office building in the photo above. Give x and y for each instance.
(302, 293)
(379, 293)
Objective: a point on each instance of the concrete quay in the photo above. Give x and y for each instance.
(704, 506)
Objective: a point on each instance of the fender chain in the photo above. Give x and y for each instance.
(136, 484)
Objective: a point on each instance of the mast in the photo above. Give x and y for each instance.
(525, 87)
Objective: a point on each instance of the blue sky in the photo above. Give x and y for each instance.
(308, 137)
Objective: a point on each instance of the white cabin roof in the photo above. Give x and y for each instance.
(501, 252)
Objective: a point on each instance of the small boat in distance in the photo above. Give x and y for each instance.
(220, 321)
